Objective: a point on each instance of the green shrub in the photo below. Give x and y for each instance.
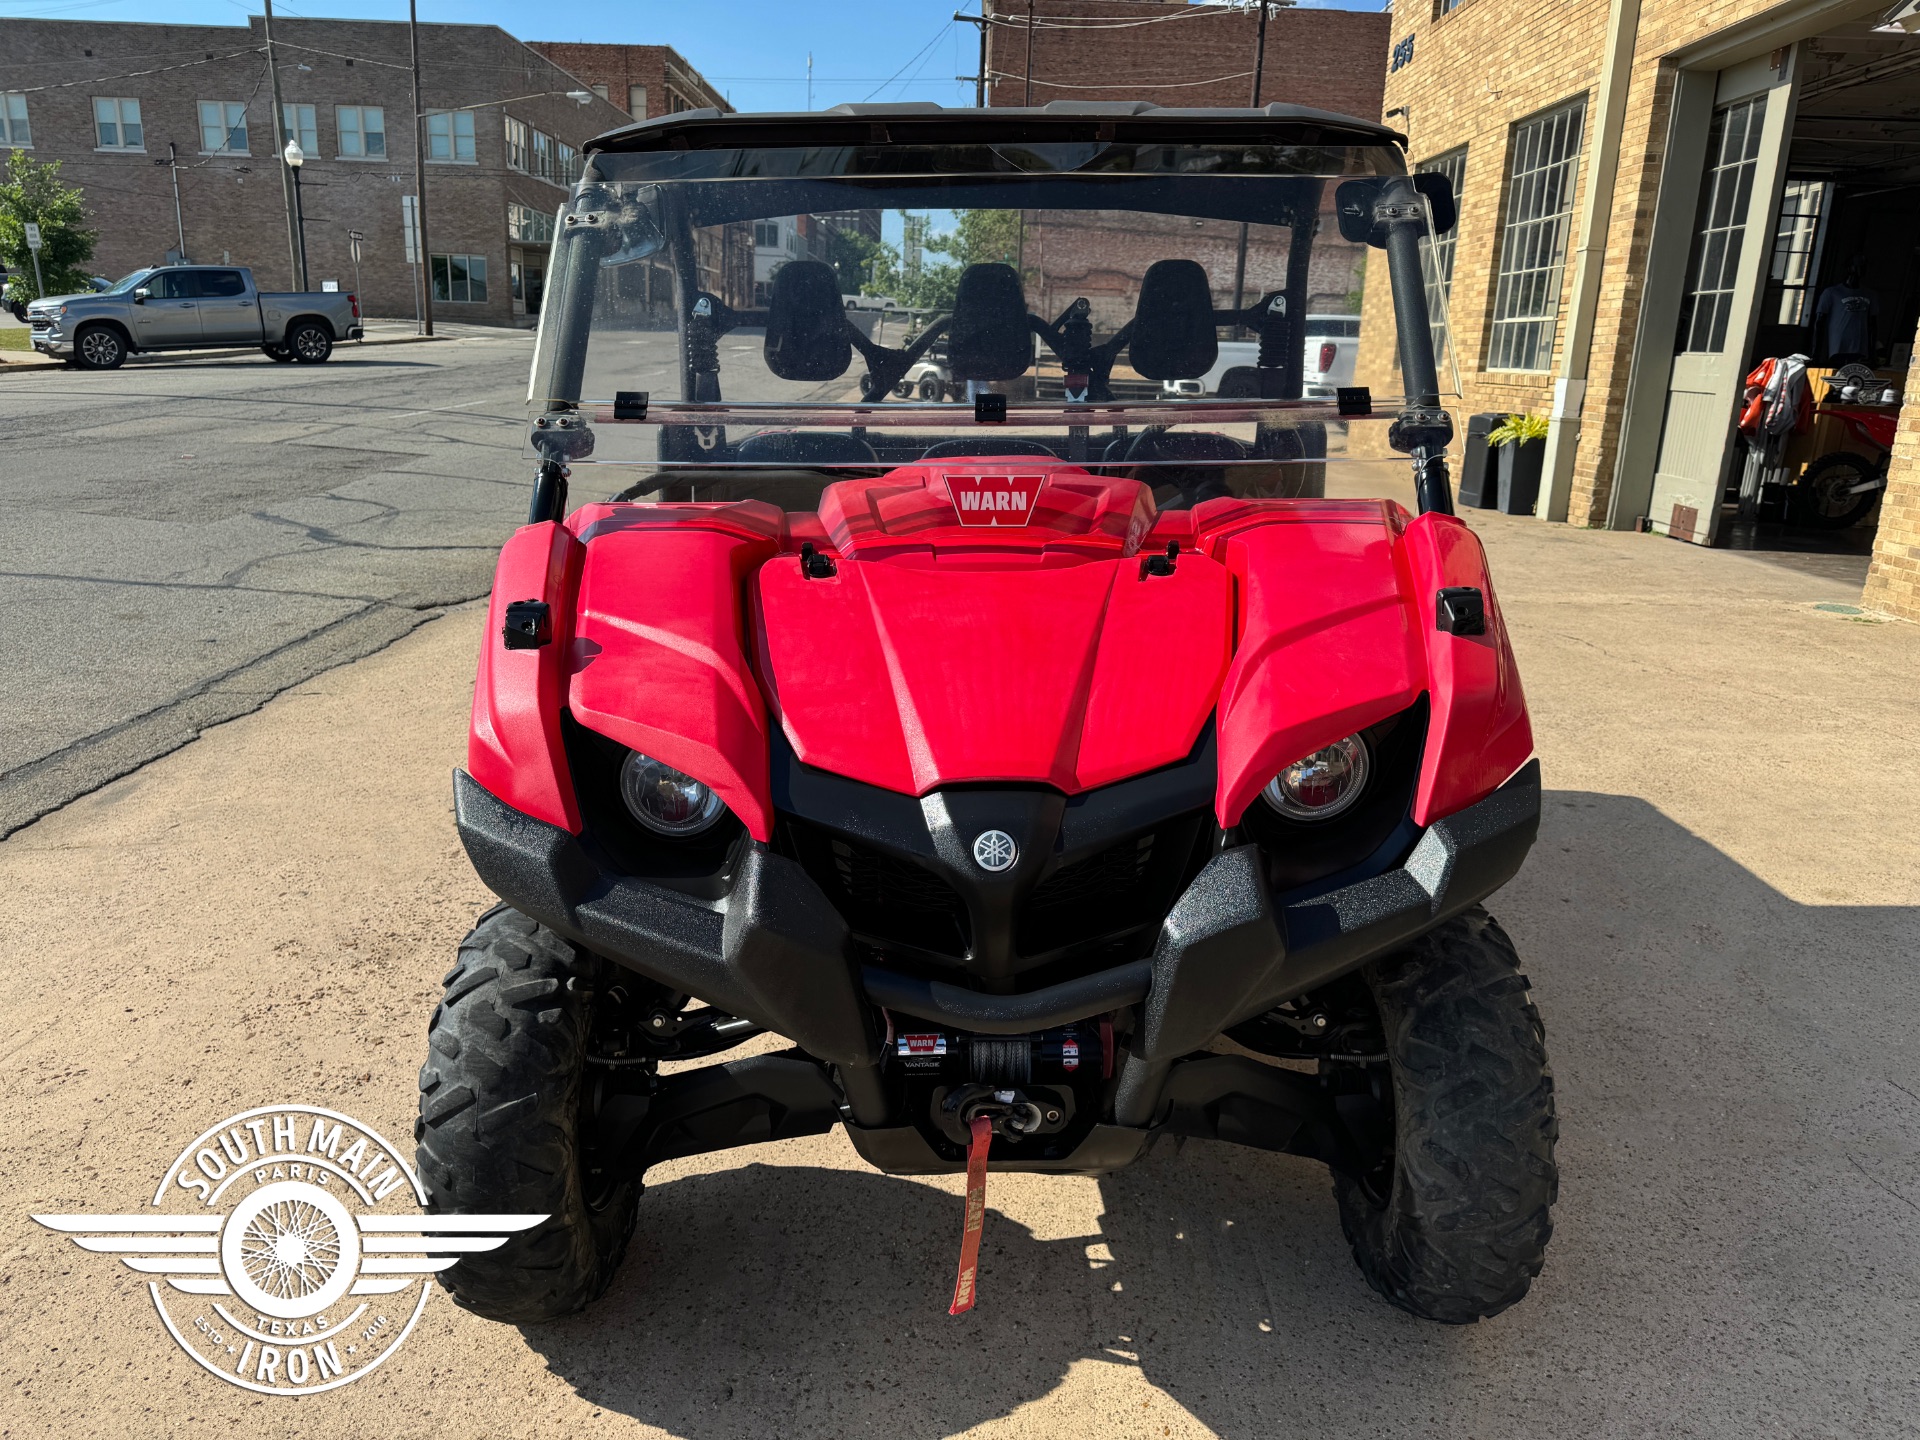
(1518, 429)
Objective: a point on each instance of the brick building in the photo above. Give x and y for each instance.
(1656, 194)
(646, 81)
(113, 102)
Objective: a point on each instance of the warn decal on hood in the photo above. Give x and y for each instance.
(994, 499)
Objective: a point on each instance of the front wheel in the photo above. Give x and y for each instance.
(1823, 498)
(930, 388)
(501, 1130)
(100, 347)
(1455, 1226)
(310, 342)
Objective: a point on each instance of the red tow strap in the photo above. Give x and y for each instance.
(965, 1285)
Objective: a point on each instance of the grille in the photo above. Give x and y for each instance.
(1105, 892)
(884, 897)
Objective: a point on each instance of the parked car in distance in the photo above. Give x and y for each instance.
(191, 307)
(1332, 343)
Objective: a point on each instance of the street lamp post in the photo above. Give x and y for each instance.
(295, 158)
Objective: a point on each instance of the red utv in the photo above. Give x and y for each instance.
(1056, 769)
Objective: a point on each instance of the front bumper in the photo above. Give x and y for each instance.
(776, 952)
(53, 341)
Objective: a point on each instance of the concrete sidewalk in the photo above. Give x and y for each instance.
(1719, 920)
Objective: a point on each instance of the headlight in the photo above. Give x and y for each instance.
(1322, 784)
(666, 801)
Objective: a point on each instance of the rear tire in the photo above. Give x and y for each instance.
(1818, 500)
(1463, 1227)
(500, 1125)
(100, 347)
(310, 342)
(930, 388)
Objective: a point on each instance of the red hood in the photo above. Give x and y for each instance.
(1028, 640)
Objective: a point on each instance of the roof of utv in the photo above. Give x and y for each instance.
(925, 123)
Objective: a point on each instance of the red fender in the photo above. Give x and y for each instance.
(1478, 733)
(513, 744)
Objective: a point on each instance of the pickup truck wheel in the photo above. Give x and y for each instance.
(929, 388)
(100, 347)
(280, 354)
(310, 342)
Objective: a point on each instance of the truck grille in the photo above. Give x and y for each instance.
(1099, 895)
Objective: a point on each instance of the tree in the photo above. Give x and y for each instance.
(32, 192)
(979, 237)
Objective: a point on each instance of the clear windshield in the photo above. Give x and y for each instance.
(728, 323)
(128, 282)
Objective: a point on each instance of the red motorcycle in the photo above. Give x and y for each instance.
(1837, 489)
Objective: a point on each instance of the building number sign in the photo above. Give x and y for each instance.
(1402, 54)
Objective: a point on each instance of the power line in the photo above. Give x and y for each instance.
(137, 74)
(920, 54)
(1169, 85)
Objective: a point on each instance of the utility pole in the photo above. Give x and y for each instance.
(420, 175)
(809, 80)
(172, 162)
(296, 258)
(1259, 71)
(979, 79)
(1028, 101)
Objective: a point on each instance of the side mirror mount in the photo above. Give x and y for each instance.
(1440, 202)
(142, 295)
(1356, 203)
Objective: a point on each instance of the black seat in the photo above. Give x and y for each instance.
(1174, 337)
(988, 337)
(987, 446)
(806, 323)
(804, 448)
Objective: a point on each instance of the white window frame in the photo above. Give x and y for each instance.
(450, 298)
(228, 116)
(16, 132)
(637, 101)
(519, 146)
(527, 225)
(1543, 177)
(301, 123)
(122, 106)
(543, 155)
(1437, 253)
(355, 131)
(451, 130)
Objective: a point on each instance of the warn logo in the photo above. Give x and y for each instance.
(994, 499)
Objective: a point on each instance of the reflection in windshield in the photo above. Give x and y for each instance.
(128, 282)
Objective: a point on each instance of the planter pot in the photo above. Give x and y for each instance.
(1479, 468)
(1520, 466)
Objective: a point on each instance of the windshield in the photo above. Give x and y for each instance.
(729, 322)
(128, 282)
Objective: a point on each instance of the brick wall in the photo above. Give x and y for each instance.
(671, 83)
(1893, 579)
(231, 205)
(1124, 49)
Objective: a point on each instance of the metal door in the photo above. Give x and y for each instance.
(1746, 155)
(227, 311)
(170, 315)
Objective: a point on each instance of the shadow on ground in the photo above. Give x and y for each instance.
(1738, 1247)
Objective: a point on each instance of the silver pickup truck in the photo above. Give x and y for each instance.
(191, 307)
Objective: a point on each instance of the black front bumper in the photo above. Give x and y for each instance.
(775, 951)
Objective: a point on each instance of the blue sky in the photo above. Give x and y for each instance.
(753, 50)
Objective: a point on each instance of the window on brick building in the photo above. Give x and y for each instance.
(637, 101)
(363, 131)
(1436, 255)
(460, 279)
(766, 234)
(543, 154)
(1446, 7)
(298, 122)
(14, 131)
(450, 136)
(599, 88)
(566, 164)
(528, 225)
(223, 127)
(1543, 164)
(1733, 155)
(116, 124)
(519, 146)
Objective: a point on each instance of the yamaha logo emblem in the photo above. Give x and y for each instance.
(994, 850)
